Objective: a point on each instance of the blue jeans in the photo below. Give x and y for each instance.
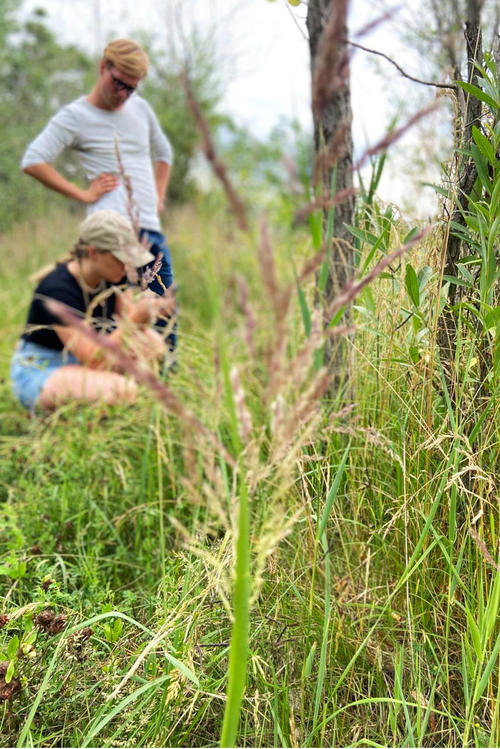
(31, 367)
(158, 245)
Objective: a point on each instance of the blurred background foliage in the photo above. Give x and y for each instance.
(39, 74)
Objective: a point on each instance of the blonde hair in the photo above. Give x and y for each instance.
(79, 251)
(128, 57)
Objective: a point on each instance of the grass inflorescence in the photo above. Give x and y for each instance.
(359, 531)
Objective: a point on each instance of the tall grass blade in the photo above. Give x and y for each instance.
(36, 702)
(238, 652)
(333, 493)
(324, 641)
(97, 726)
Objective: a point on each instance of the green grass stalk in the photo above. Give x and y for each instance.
(238, 651)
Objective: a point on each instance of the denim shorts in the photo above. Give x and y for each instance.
(31, 367)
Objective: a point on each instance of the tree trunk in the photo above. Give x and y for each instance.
(332, 116)
(447, 325)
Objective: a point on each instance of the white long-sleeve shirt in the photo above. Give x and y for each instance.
(91, 132)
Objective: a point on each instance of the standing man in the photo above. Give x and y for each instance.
(113, 117)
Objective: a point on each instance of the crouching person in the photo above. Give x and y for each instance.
(56, 362)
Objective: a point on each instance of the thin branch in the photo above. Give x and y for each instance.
(297, 24)
(449, 86)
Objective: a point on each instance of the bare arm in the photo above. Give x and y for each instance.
(162, 178)
(86, 350)
(50, 177)
(133, 332)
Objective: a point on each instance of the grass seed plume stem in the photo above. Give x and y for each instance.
(328, 156)
(394, 135)
(211, 154)
(353, 287)
(132, 207)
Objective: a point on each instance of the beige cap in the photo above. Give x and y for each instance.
(109, 230)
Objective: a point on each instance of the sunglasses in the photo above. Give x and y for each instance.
(121, 85)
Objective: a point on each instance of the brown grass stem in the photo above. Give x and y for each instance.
(353, 287)
(210, 152)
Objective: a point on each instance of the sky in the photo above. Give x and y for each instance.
(264, 59)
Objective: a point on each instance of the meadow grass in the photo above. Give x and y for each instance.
(372, 523)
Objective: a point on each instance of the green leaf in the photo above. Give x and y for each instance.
(481, 163)
(30, 639)
(479, 94)
(376, 175)
(413, 232)
(323, 274)
(495, 197)
(492, 320)
(473, 221)
(362, 234)
(330, 223)
(493, 235)
(414, 354)
(306, 315)
(458, 281)
(474, 631)
(465, 274)
(412, 286)
(98, 725)
(487, 671)
(20, 571)
(368, 298)
(440, 190)
(309, 661)
(117, 627)
(424, 275)
(28, 625)
(183, 669)
(13, 647)
(460, 231)
(484, 145)
(319, 358)
(416, 323)
(316, 226)
(333, 492)
(10, 672)
(295, 3)
(496, 364)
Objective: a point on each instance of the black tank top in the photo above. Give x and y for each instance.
(62, 286)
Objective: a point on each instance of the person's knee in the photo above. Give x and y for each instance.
(87, 386)
(128, 391)
(116, 389)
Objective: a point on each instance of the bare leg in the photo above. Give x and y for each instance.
(73, 382)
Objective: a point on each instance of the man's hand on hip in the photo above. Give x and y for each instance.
(100, 185)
